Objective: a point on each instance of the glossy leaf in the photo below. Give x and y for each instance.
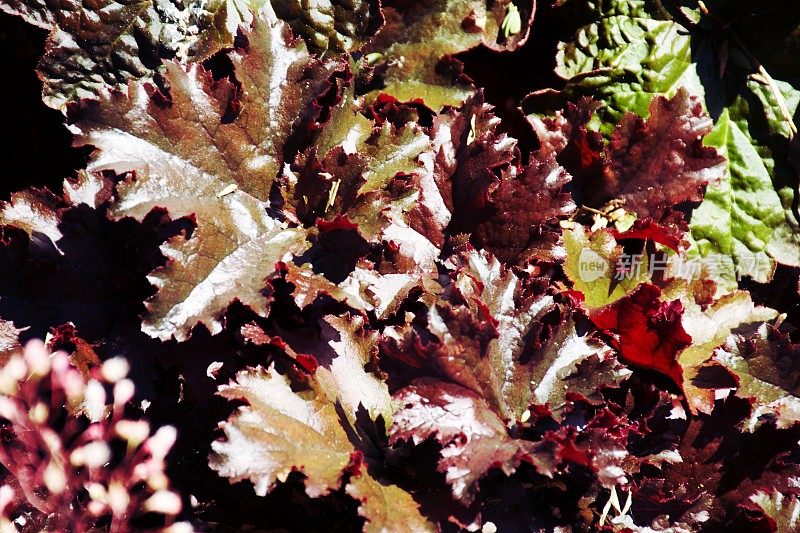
(164, 143)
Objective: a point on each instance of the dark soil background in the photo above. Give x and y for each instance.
(36, 149)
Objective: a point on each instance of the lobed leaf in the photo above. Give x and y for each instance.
(417, 41)
(94, 45)
(473, 438)
(166, 141)
(766, 369)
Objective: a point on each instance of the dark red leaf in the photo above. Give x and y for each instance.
(649, 331)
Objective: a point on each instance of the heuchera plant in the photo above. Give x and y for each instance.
(406, 266)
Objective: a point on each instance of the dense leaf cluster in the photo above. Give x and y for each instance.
(369, 273)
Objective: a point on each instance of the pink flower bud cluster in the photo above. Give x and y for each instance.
(73, 462)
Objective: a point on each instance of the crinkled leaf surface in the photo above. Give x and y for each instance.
(506, 341)
(417, 39)
(280, 431)
(97, 44)
(650, 331)
(469, 154)
(473, 438)
(709, 327)
(575, 367)
(766, 367)
(339, 25)
(625, 58)
(633, 53)
(746, 217)
(167, 144)
(520, 222)
(656, 164)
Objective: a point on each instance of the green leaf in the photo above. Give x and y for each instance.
(349, 168)
(591, 265)
(386, 507)
(743, 217)
(511, 23)
(631, 54)
(624, 59)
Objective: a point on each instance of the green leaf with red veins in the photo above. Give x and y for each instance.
(473, 438)
(418, 37)
(229, 164)
(768, 374)
(93, 45)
